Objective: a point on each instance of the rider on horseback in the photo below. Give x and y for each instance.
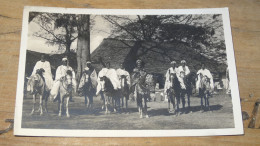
(61, 72)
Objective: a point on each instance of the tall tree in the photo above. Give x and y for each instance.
(83, 43)
(56, 29)
(61, 30)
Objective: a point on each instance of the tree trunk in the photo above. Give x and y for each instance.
(132, 56)
(83, 43)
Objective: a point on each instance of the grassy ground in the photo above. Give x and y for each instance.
(220, 116)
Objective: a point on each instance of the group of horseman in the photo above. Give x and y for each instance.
(177, 90)
(92, 84)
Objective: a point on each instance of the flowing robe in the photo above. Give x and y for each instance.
(47, 72)
(204, 72)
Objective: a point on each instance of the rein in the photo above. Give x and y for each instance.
(64, 79)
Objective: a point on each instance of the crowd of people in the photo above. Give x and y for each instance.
(135, 80)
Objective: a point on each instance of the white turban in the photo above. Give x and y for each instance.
(64, 59)
(173, 62)
(183, 61)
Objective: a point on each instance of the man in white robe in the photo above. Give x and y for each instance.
(172, 70)
(61, 72)
(111, 74)
(204, 72)
(44, 64)
(122, 72)
(183, 68)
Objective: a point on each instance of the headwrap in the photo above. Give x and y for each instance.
(64, 59)
(138, 61)
(88, 62)
(173, 62)
(183, 61)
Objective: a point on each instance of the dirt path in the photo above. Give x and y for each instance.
(221, 116)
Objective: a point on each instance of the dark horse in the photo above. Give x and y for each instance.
(87, 89)
(190, 82)
(204, 91)
(109, 94)
(36, 86)
(173, 92)
(124, 92)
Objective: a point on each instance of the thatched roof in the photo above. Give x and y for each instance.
(157, 60)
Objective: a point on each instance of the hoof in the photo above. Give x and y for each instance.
(141, 117)
(68, 116)
(41, 114)
(31, 113)
(146, 116)
(59, 115)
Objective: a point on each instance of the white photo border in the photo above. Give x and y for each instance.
(237, 130)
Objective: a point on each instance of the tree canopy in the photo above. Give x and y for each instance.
(204, 33)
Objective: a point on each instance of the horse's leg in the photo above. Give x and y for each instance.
(126, 101)
(201, 99)
(46, 100)
(67, 106)
(205, 100)
(169, 102)
(122, 101)
(34, 101)
(85, 95)
(103, 100)
(207, 96)
(90, 101)
(188, 96)
(173, 103)
(61, 103)
(178, 102)
(183, 100)
(41, 100)
(145, 108)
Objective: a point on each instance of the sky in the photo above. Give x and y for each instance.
(100, 30)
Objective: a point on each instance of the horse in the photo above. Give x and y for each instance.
(124, 92)
(204, 90)
(109, 94)
(172, 92)
(142, 95)
(65, 90)
(190, 82)
(86, 87)
(36, 86)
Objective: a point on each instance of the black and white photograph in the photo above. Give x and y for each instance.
(127, 73)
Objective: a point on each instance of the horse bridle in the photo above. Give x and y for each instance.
(36, 83)
(66, 82)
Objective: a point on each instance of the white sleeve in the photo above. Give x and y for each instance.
(128, 79)
(48, 69)
(187, 70)
(73, 73)
(58, 73)
(35, 68)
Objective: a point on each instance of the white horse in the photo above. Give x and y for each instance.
(36, 86)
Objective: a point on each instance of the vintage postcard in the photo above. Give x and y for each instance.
(127, 73)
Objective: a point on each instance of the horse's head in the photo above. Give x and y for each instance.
(68, 77)
(107, 84)
(172, 76)
(123, 76)
(40, 71)
(33, 83)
